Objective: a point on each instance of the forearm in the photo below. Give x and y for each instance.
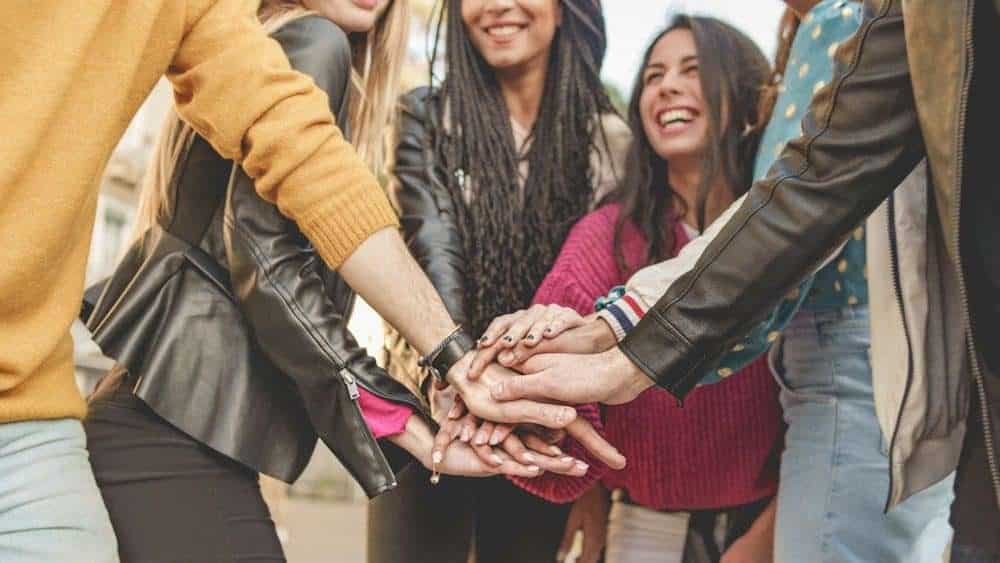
(384, 274)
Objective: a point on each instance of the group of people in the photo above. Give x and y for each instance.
(746, 321)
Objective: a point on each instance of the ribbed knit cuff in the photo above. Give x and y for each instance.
(337, 228)
(622, 315)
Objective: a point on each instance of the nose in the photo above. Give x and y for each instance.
(670, 84)
(499, 5)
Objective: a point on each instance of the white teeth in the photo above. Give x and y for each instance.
(670, 116)
(503, 30)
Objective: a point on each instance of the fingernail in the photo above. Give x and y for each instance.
(555, 450)
(497, 390)
(497, 459)
(495, 438)
(466, 434)
(437, 457)
(560, 556)
(480, 439)
(567, 459)
(582, 465)
(483, 338)
(529, 458)
(548, 331)
(534, 468)
(531, 337)
(508, 339)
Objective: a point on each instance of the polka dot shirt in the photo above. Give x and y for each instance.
(810, 68)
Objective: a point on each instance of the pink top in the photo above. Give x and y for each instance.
(719, 450)
(384, 418)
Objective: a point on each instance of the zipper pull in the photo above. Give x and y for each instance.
(351, 383)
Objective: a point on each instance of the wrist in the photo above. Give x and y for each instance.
(415, 439)
(602, 336)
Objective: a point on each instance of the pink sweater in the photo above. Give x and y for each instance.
(719, 450)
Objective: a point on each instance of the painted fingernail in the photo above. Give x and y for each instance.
(548, 331)
(497, 459)
(483, 338)
(531, 337)
(508, 339)
(437, 457)
(528, 458)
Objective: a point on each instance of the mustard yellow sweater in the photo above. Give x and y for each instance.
(72, 76)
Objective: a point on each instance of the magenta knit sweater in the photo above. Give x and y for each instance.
(718, 450)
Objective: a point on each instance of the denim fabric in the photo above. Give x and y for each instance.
(835, 467)
(50, 508)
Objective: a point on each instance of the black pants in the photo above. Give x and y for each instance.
(490, 519)
(170, 498)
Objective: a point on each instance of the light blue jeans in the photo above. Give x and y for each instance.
(835, 467)
(50, 508)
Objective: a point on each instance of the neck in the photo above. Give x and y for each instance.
(685, 179)
(522, 91)
(801, 7)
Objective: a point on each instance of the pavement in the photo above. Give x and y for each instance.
(322, 531)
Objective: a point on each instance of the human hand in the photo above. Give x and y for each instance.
(591, 338)
(532, 446)
(589, 515)
(460, 459)
(531, 331)
(477, 397)
(609, 377)
(757, 544)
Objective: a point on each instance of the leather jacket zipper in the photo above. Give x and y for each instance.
(898, 293)
(991, 455)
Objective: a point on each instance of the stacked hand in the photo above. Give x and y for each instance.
(565, 360)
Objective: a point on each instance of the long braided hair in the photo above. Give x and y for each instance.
(512, 234)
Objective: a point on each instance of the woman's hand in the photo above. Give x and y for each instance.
(589, 515)
(525, 328)
(460, 459)
(757, 545)
(531, 446)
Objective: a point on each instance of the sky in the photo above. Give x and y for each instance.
(631, 24)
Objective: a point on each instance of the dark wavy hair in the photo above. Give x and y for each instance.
(733, 72)
(512, 236)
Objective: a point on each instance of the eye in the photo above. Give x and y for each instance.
(691, 70)
(651, 77)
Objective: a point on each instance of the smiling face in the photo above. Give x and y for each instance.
(353, 16)
(511, 34)
(672, 106)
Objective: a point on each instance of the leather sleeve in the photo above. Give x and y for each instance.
(860, 139)
(427, 214)
(297, 307)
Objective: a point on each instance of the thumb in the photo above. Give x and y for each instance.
(522, 387)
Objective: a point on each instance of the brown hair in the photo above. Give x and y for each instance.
(732, 70)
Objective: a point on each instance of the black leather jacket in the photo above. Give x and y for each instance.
(241, 339)
(900, 93)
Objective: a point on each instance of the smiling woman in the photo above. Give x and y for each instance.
(493, 166)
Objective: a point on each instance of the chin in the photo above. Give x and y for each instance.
(360, 23)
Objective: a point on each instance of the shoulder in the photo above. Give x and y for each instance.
(419, 101)
(321, 34)
(598, 224)
(832, 14)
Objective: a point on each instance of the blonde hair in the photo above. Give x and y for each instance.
(377, 60)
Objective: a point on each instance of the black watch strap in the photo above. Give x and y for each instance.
(448, 353)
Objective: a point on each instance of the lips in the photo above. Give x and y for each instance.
(503, 31)
(671, 116)
(366, 4)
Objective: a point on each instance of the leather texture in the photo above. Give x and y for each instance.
(241, 340)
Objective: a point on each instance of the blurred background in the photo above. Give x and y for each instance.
(324, 512)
